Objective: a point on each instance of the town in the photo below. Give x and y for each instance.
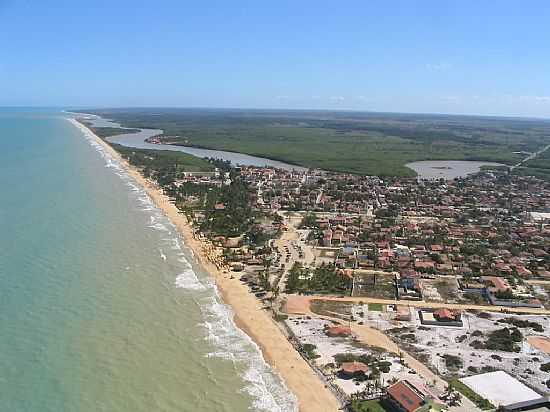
(401, 293)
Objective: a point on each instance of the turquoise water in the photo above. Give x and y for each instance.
(102, 308)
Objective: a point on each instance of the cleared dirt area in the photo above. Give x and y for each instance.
(296, 305)
(460, 351)
(540, 342)
(375, 285)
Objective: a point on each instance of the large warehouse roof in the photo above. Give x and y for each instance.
(500, 389)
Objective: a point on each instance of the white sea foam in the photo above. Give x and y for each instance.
(188, 280)
(159, 226)
(266, 387)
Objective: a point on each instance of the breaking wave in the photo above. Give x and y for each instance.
(268, 391)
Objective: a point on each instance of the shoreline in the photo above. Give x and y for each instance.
(248, 315)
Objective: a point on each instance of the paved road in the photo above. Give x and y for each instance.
(531, 157)
(290, 238)
(537, 282)
(286, 240)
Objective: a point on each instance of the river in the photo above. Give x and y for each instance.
(137, 140)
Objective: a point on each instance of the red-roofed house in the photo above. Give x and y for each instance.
(338, 331)
(404, 397)
(350, 369)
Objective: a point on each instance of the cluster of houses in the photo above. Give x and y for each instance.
(491, 231)
(486, 227)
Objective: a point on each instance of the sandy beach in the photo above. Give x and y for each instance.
(311, 393)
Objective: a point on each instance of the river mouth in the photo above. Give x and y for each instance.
(448, 169)
(137, 140)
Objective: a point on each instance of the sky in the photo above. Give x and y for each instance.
(463, 57)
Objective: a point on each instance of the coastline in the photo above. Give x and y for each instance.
(301, 380)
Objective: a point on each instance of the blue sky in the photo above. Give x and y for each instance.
(478, 57)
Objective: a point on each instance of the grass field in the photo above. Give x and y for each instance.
(376, 307)
(363, 143)
(338, 309)
(367, 406)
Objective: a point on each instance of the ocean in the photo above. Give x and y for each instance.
(102, 307)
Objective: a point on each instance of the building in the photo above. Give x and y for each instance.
(338, 331)
(440, 317)
(502, 390)
(446, 315)
(405, 397)
(350, 369)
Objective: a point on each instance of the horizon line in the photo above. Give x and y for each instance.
(341, 110)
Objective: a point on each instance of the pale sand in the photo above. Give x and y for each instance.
(370, 336)
(311, 393)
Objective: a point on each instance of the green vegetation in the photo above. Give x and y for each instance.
(280, 317)
(163, 165)
(309, 221)
(538, 167)
(362, 143)
(376, 307)
(235, 217)
(166, 167)
(377, 285)
(452, 362)
(376, 366)
(309, 351)
(545, 367)
(505, 340)
(367, 406)
(481, 403)
(104, 132)
(521, 323)
(335, 309)
(321, 280)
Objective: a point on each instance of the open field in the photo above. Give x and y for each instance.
(329, 352)
(379, 285)
(364, 143)
(481, 346)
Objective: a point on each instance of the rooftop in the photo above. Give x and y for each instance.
(406, 395)
(500, 389)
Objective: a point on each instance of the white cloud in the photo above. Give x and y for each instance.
(537, 99)
(438, 67)
(337, 98)
(451, 98)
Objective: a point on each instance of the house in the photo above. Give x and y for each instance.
(440, 317)
(446, 315)
(350, 369)
(338, 331)
(495, 283)
(405, 397)
(403, 313)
